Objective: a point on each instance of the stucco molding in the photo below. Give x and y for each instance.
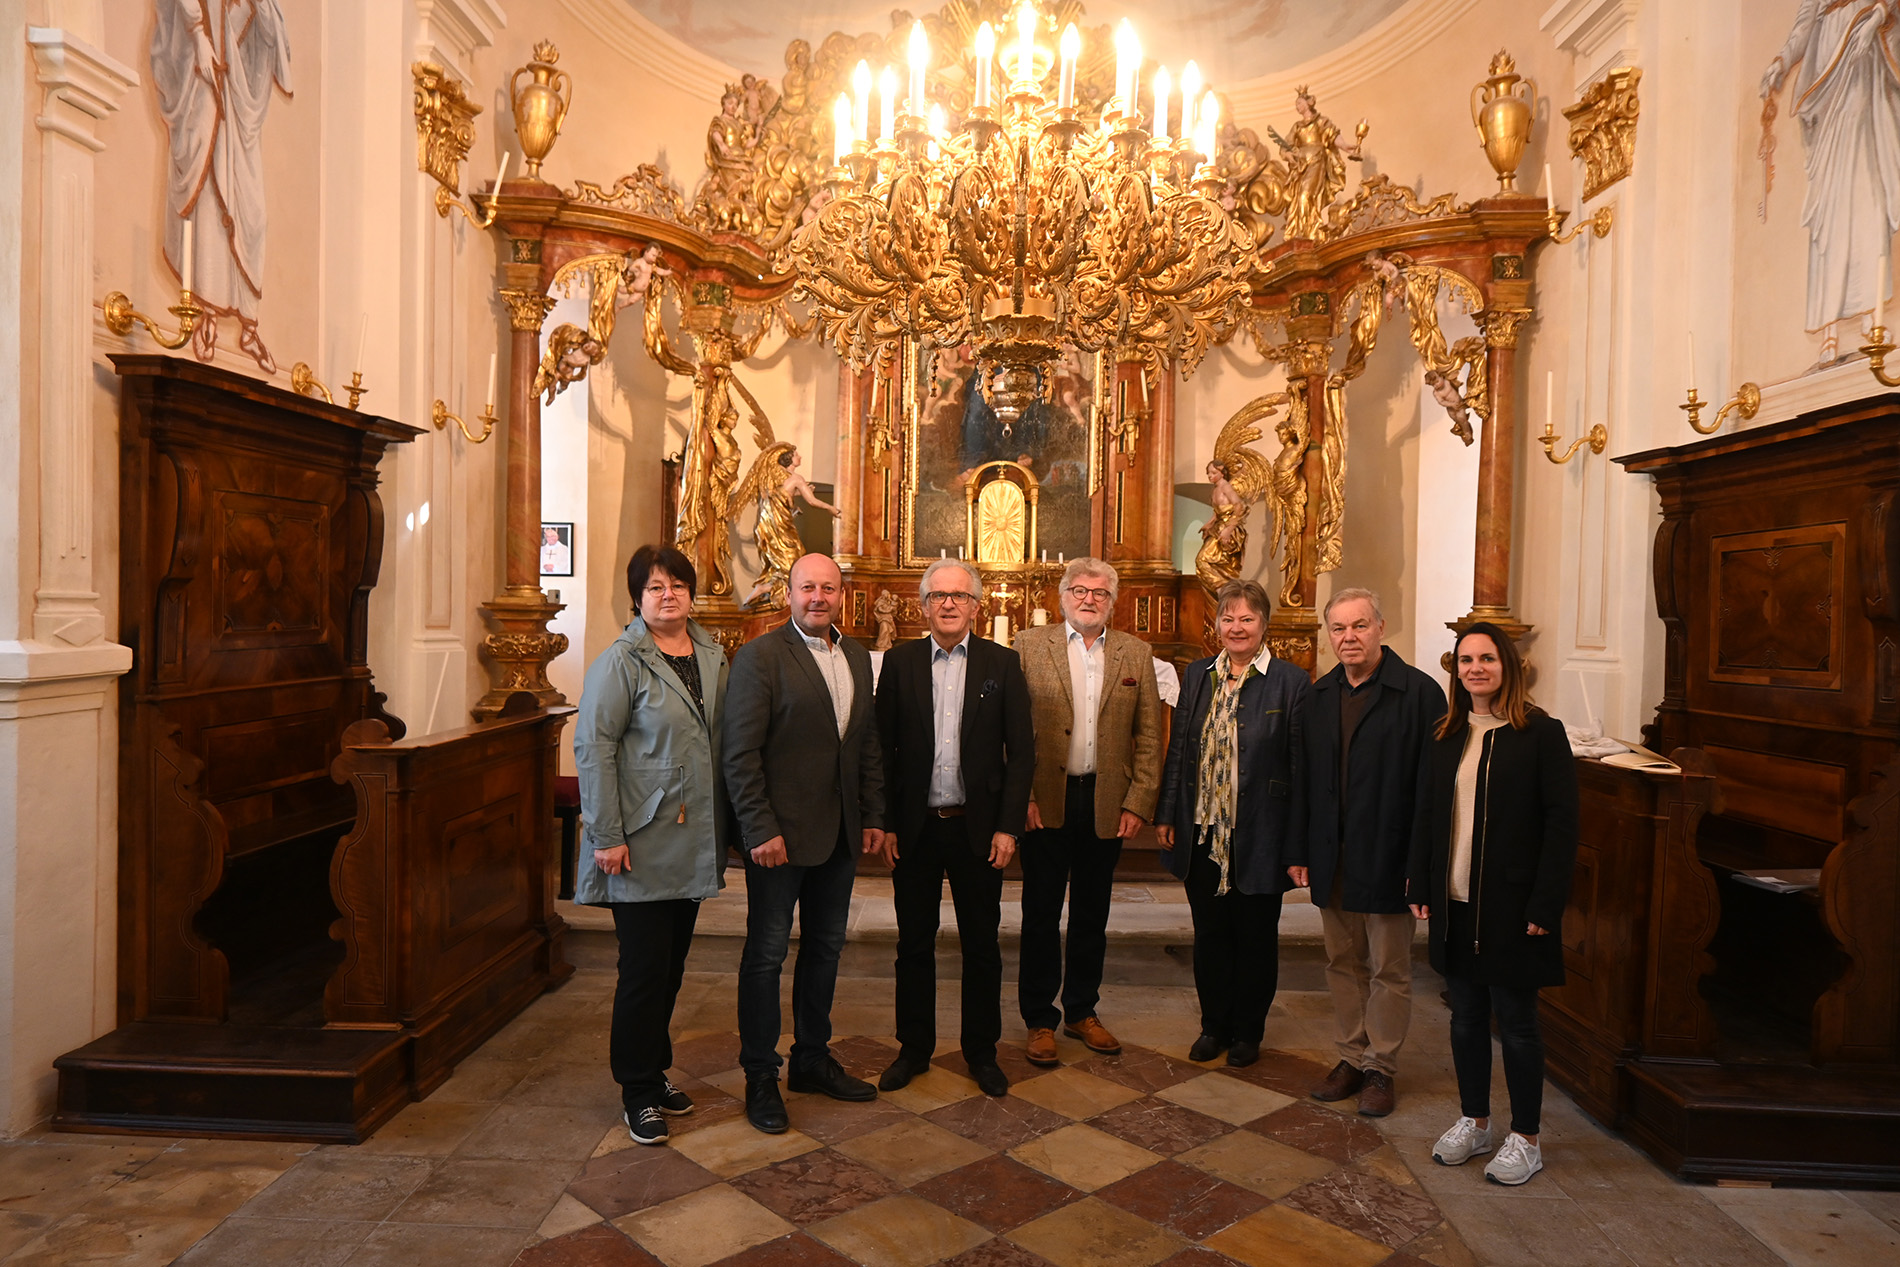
(450, 32)
(655, 51)
(1599, 35)
(1395, 40)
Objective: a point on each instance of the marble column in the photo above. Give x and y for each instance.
(1497, 476)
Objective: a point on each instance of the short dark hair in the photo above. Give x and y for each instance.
(1248, 592)
(667, 559)
(785, 458)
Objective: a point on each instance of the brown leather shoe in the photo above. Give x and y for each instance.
(1343, 1081)
(1092, 1032)
(1377, 1097)
(1042, 1048)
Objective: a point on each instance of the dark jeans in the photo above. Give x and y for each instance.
(1236, 950)
(654, 938)
(1073, 858)
(822, 895)
(1472, 1006)
(976, 888)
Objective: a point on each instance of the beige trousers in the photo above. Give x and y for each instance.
(1369, 971)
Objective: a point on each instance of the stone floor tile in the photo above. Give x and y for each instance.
(1253, 1161)
(1159, 1126)
(1280, 1237)
(248, 1242)
(596, 1245)
(1367, 1206)
(579, 1085)
(1093, 1233)
(934, 1088)
(1290, 1073)
(997, 1192)
(900, 1231)
(864, 1057)
(483, 1193)
(1386, 1163)
(430, 1128)
(1186, 1201)
(703, 1227)
(623, 1182)
(570, 1214)
(834, 1121)
(1527, 1233)
(17, 1227)
(112, 1240)
(814, 1187)
(56, 1177)
(481, 1079)
(997, 1252)
(199, 1178)
(734, 1147)
(997, 1122)
(1141, 1070)
(1442, 1247)
(1202, 1256)
(522, 1039)
(340, 1185)
(1013, 1060)
(1228, 1099)
(1882, 1205)
(711, 1106)
(535, 1132)
(707, 1054)
(421, 1245)
(1320, 1131)
(1074, 1093)
(911, 1152)
(1811, 1225)
(1083, 1157)
(1467, 1180)
(796, 1250)
(1694, 1235)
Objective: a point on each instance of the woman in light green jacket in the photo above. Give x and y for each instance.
(654, 817)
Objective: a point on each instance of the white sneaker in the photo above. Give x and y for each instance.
(1517, 1160)
(1465, 1140)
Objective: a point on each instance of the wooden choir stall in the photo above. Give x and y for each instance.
(318, 917)
(1734, 936)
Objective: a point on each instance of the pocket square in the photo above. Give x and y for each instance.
(989, 688)
(1128, 681)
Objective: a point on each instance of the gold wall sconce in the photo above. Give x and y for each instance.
(1596, 437)
(1598, 222)
(1746, 401)
(303, 381)
(439, 414)
(121, 316)
(1875, 350)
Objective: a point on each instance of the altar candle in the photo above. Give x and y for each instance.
(886, 103)
(840, 130)
(1071, 49)
(944, 553)
(1163, 84)
(1550, 397)
(491, 382)
(190, 249)
(861, 85)
(959, 552)
(362, 336)
(985, 53)
(1550, 190)
(999, 629)
(919, 61)
(1692, 360)
(507, 160)
(1190, 98)
(1880, 290)
(1026, 42)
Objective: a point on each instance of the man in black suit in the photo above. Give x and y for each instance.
(959, 747)
(805, 775)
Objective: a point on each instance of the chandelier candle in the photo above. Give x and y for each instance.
(985, 55)
(1162, 86)
(1071, 48)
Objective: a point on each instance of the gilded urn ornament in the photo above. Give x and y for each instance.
(1503, 116)
(541, 105)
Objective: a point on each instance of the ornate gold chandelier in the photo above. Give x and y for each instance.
(1030, 230)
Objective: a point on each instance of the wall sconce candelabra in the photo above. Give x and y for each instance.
(121, 316)
(1598, 222)
(1746, 401)
(1875, 350)
(303, 381)
(1596, 437)
(439, 414)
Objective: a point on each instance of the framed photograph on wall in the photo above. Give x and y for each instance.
(557, 549)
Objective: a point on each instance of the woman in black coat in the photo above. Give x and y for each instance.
(1492, 852)
(1230, 798)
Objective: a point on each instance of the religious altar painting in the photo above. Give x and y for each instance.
(960, 443)
(1838, 74)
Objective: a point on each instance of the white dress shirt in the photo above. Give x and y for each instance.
(836, 670)
(947, 671)
(1086, 666)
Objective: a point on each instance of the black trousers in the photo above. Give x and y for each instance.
(943, 849)
(1236, 950)
(1473, 1004)
(654, 938)
(1074, 859)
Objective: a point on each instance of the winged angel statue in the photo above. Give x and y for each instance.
(774, 482)
(1241, 476)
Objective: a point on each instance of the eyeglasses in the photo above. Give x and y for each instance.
(1081, 592)
(657, 590)
(938, 598)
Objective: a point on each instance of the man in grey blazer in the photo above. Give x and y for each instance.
(804, 772)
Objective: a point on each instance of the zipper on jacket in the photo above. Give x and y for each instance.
(1478, 841)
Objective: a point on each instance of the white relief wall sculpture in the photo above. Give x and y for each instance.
(1843, 87)
(216, 64)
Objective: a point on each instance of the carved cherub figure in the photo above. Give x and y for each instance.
(636, 278)
(1446, 393)
(884, 610)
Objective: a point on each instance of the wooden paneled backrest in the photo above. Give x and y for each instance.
(251, 533)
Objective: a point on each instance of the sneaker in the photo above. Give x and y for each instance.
(1465, 1140)
(1517, 1160)
(675, 1102)
(648, 1127)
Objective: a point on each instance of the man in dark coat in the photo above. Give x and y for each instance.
(959, 756)
(805, 774)
(1370, 720)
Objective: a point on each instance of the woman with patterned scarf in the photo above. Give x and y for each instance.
(1231, 803)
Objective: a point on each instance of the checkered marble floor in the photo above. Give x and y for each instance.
(1105, 1162)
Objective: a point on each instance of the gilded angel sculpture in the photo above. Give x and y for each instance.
(1240, 476)
(774, 481)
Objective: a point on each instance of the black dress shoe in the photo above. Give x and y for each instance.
(830, 1079)
(1205, 1048)
(990, 1079)
(1242, 1054)
(765, 1107)
(901, 1071)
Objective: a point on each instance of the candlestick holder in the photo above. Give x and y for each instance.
(1598, 222)
(1746, 401)
(356, 389)
(121, 316)
(303, 381)
(447, 200)
(439, 414)
(1875, 350)
(1597, 437)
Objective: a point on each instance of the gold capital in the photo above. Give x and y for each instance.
(1500, 325)
(527, 309)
